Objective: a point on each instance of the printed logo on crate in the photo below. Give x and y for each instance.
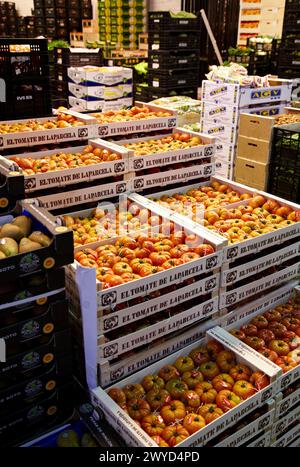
(172, 122)
(139, 164)
(35, 413)
(30, 329)
(286, 381)
(284, 407)
(1, 141)
(207, 309)
(29, 184)
(210, 284)
(232, 298)
(111, 350)
(209, 151)
(267, 395)
(29, 263)
(109, 299)
(263, 94)
(121, 188)
(33, 387)
(139, 183)
(30, 360)
(117, 374)
(111, 323)
(119, 167)
(83, 133)
(103, 130)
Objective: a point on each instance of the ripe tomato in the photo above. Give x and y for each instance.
(179, 250)
(134, 391)
(172, 263)
(270, 354)
(292, 324)
(214, 348)
(127, 253)
(227, 400)
(172, 412)
(192, 378)
(240, 372)
(295, 355)
(168, 372)
(249, 330)
(138, 408)
(260, 322)
(88, 263)
(174, 435)
(226, 360)
(213, 413)
(209, 370)
(126, 242)
(137, 264)
(280, 347)
(153, 425)
(129, 277)
(255, 342)
(199, 355)
(193, 423)
(184, 364)
(152, 382)
(118, 396)
(286, 363)
(278, 329)
(163, 245)
(188, 257)
(238, 334)
(259, 380)
(145, 270)
(158, 398)
(121, 268)
(272, 316)
(191, 400)
(244, 389)
(266, 335)
(204, 250)
(223, 381)
(113, 281)
(176, 388)
(160, 441)
(159, 258)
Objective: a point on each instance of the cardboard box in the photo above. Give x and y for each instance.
(73, 176)
(254, 172)
(220, 131)
(254, 150)
(83, 105)
(108, 76)
(243, 96)
(57, 254)
(107, 93)
(257, 127)
(133, 435)
(213, 113)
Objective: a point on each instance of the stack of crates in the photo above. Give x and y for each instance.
(8, 19)
(26, 26)
(121, 22)
(24, 69)
(289, 54)
(284, 173)
(65, 58)
(57, 18)
(173, 55)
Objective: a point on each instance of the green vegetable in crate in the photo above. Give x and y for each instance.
(182, 14)
(141, 68)
(68, 439)
(58, 43)
(87, 441)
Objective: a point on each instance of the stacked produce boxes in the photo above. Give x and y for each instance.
(8, 19)
(173, 55)
(289, 55)
(25, 84)
(57, 18)
(222, 104)
(100, 89)
(36, 361)
(64, 58)
(257, 154)
(121, 22)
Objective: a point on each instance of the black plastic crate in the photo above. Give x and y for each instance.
(59, 89)
(62, 33)
(50, 12)
(61, 73)
(72, 3)
(87, 13)
(286, 145)
(173, 40)
(292, 41)
(16, 63)
(173, 78)
(291, 22)
(61, 4)
(40, 22)
(38, 4)
(39, 12)
(62, 13)
(64, 56)
(73, 12)
(292, 5)
(291, 72)
(75, 23)
(50, 23)
(27, 99)
(162, 20)
(158, 93)
(284, 182)
(289, 58)
(165, 60)
(51, 31)
(41, 31)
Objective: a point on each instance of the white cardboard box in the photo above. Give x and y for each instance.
(109, 76)
(83, 105)
(106, 93)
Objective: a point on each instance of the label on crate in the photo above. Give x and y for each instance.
(112, 373)
(125, 128)
(158, 281)
(45, 137)
(265, 241)
(88, 195)
(164, 302)
(234, 296)
(288, 438)
(126, 343)
(289, 378)
(261, 442)
(285, 404)
(231, 276)
(77, 175)
(286, 421)
(160, 159)
(173, 176)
